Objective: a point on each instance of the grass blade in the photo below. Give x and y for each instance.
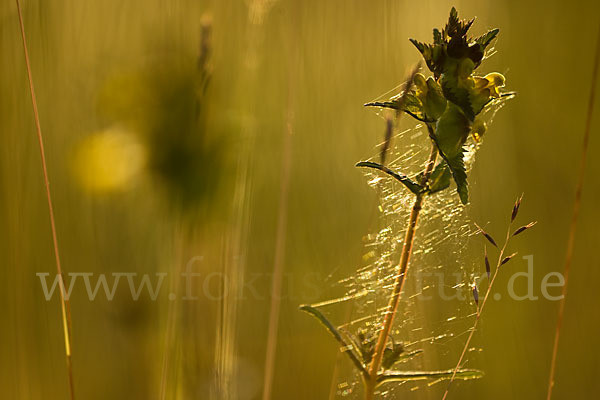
(403, 376)
(575, 215)
(65, 306)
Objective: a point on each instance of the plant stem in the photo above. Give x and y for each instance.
(574, 217)
(64, 301)
(278, 263)
(371, 381)
(479, 311)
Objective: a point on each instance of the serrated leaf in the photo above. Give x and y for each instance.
(459, 173)
(432, 54)
(456, 84)
(435, 102)
(456, 28)
(420, 46)
(405, 180)
(452, 24)
(437, 36)
(440, 178)
(451, 132)
(485, 39)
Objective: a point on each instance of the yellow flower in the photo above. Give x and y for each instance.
(492, 82)
(108, 160)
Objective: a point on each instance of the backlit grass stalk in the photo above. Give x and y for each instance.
(280, 243)
(64, 302)
(501, 261)
(575, 216)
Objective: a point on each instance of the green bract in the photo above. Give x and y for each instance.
(449, 101)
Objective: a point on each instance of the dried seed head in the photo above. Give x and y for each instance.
(487, 236)
(487, 264)
(475, 294)
(524, 228)
(515, 210)
(389, 129)
(507, 259)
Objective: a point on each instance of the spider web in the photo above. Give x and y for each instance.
(436, 307)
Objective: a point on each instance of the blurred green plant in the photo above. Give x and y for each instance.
(448, 103)
(161, 113)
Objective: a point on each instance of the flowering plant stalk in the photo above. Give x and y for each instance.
(448, 103)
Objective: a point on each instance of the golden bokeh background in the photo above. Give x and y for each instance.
(122, 68)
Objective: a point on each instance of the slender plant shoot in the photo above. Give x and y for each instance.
(64, 301)
(448, 103)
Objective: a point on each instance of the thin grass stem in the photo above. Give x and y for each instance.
(479, 311)
(278, 264)
(64, 302)
(575, 216)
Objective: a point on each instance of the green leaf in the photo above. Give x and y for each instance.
(485, 39)
(403, 376)
(420, 46)
(451, 132)
(432, 54)
(383, 104)
(424, 104)
(347, 348)
(412, 106)
(456, 84)
(405, 180)
(391, 356)
(459, 173)
(437, 36)
(440, 178)
(434, 104)
(456, 28)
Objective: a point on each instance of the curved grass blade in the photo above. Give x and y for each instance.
(409, 355)
(405, 180)
(404, 376)
(347, 348)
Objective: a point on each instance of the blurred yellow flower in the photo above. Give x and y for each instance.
(109, 160)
